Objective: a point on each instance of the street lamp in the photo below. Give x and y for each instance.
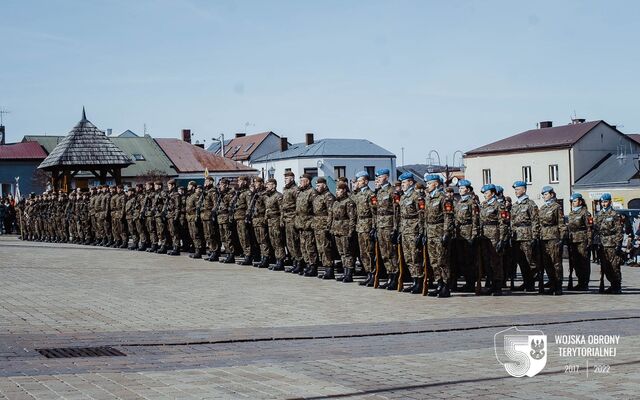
(431, 168)
(220, 139)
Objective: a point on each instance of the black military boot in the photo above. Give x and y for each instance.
(558, 291)
(348, 275)
(617, 287)
(153, 248)
(413, 287)
(294, 266)
(418, 288)
(368, 281)
(142, 246)
(581, 287)
(229, 259)
(175, 251)
(215, 256)
(247, 260)
(264, 262)
(279, 266)
(311, 271)
(328, 273)
(444, 292)
(497, 288)
(162, 250)
(133, 246)
(435, 292)
(391, 284)
(124, 245)
(196, 255)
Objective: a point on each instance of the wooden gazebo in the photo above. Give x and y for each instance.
(85, 148)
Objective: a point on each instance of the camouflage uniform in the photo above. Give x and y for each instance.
(260, 228)
(342, 222)
(243, 200)
(365, 215)
(552, 231)
(116, 217)
(580, 225)
(466, 214)
(525, 228)
(610, 230)
(208, 215)
(288, 209)
(193, 218)
(438, 231)
(410, 229)
(173, 217)
(275, 222)
(131, 210)
(385, 216)
(322, 203)
(160, 218)
(303, 224)
(494, 231)
(148, 213)
(224, 222)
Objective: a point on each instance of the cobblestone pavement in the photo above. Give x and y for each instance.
(193, 329)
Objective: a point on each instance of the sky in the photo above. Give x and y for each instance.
(413, 75)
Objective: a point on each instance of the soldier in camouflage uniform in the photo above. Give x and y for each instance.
(322, 203)
(161, 217)
(385, 207)
(239, 208)
(224, 220)
(466, 212)
(185, 238)
(275, 222)
(256, 217)
(209, 212)
(71, 218)
(132, 214)
(580, 227)
(304, 225)
(193, 217)
(438, 230)
(123, 239)
(494, 231)
(610, 230)
(172, 212)
(553, 232)
(411, 207)
(148, 213)
(342, 223)
(365, 227)
(62, 225)
(142, 238)
(288, 209)
(525, 234)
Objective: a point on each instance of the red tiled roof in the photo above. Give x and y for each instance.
(563, 136)
(190, 158)
(635, 137)
(22, 151)
(241, 148)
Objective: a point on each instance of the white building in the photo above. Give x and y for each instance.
(331, 158)
(554, 156)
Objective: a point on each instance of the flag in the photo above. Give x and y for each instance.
(17, 195)
(206, 172)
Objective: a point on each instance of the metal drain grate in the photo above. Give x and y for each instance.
(69, 352)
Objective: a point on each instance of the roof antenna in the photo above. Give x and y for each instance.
(144, 128)
(2, 113)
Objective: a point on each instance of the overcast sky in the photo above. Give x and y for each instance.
(443, 75)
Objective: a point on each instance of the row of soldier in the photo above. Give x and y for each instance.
(400, 233)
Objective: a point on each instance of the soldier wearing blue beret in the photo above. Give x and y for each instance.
(610, 230)
(525, 234)
(553, 234)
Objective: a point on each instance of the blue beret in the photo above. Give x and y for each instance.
(547, 189)
(606, 197)
(464, 182)
(488, 187)
(499, 189)
(576, 196)
(432, 177)
(406, 175)
(361, 174)
(383, 171)
(519, 184)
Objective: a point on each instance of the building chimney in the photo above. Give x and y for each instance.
(545, 124)
(284, 144)
(2, 140)
(240, 134)
(309, 139)
(186, 135)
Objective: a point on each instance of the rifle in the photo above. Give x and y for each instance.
(539, 260)
(232, 207)
(248, 219)
(400, 268)
(478, 245)
(199, 205)
(376, 277)
(216, 207)
(570, 284)
(425, 265)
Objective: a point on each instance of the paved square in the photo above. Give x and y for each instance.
(191, 329)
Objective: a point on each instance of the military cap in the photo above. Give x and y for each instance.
(342, 179)
(432, 177)
(182, 188)
(199, 187)
(464, 182)
(159, 183)
(272, 180)
(209, 178)
(139, 185)
(362, 174)
(489, 186)
(242, 178)
(171, 182)
(258, 179)
(192, 183)
(289, 173)
(342, 185)
(519, 184)
(405, 176)
(321, 179)
(149, 183)
(499, 189)
(419, 186)
(383, 171)
(605, 197)
(576, 196)
(307, 176)
(224, 180)
(120, 186)
(547, 189)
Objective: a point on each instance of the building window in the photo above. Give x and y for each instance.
(249, 147)
(311, 171)
(554, 177)
(138, 157)
(339, 172)
(486, 176)
(371, 171)
(526, 175)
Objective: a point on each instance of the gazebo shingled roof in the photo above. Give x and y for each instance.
(86, 147)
